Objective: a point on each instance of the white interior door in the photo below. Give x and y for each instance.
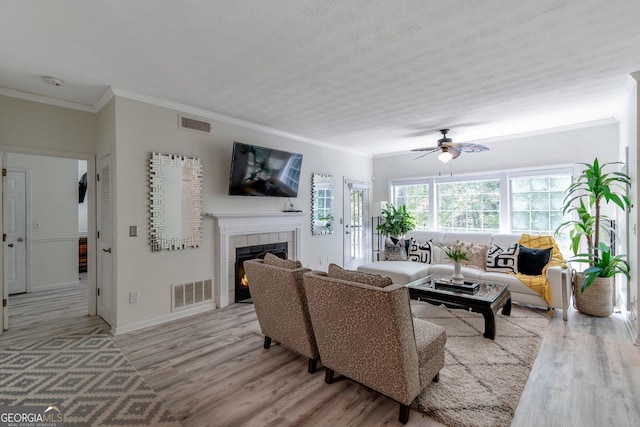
(15, 228)
(357, 235)
(105, 295)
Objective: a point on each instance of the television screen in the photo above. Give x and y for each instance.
(261, 171)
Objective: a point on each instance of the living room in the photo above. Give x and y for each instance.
(128, 126)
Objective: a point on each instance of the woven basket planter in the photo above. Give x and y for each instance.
(597, 299)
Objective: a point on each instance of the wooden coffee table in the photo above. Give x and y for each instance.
(488, 299)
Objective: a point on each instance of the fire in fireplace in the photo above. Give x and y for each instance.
(242, 293)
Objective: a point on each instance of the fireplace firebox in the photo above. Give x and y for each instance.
(242, 293)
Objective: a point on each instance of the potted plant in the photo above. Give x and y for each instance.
(457, 252)
(594, 286)
(395, 222)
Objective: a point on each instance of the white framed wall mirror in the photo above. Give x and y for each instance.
(322, 215)
(176, 202)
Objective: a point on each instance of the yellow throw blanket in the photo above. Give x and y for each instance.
(540, 284)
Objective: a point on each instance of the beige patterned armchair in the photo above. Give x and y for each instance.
(281, 307)
(367, 333)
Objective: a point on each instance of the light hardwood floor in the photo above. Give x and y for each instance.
(211, 370)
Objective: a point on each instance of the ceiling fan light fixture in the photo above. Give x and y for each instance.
(445, 156)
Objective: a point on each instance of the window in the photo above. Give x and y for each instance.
(469, 206)
(416, 198)
(536, 205)
(507, 202)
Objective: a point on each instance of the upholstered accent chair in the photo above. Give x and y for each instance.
(367, 333)
(281, 307)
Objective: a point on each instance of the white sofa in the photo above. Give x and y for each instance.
(403, 272)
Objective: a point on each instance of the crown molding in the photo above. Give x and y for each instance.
(46, 100)
(176, 106)
(104, 99)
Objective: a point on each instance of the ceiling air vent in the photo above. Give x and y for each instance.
(196, 125)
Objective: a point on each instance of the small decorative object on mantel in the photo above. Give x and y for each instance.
(288, 207)
(457, 252)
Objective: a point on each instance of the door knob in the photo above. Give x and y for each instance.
(107, 250)
(20, 239)
(10, 245)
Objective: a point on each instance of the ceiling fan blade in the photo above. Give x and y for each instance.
(426, 149)
(455, 152)
(469, 148)
(425, 154)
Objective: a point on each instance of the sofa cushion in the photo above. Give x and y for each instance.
(421, 251)
(532, 261)
(377, 280)
(271, 259)
(503, 259)
(515, 285)
(400, 272)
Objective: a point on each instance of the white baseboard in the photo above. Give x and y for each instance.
(116, 330)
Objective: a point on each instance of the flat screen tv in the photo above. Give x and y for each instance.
(261, 171)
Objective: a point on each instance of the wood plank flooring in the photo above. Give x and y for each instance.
(43, 314)
(211, 370)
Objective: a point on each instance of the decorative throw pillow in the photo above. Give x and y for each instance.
(291, 264)
(503, 260)
(377, 280)
(394, 250)
(421, 252)
(532, 261)
(477, 254)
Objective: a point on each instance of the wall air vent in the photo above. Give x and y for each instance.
(193, 124)
(191, 294)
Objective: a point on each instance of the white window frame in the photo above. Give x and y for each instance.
(504, 178)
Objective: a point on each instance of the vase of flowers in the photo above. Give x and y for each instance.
(457, 252)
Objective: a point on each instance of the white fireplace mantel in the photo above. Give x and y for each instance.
(230, 225)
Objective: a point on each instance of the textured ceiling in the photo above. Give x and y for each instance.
(373, 76)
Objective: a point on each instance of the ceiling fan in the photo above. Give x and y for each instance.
(449, 149)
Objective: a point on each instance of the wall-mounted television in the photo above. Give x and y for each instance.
(262, 171)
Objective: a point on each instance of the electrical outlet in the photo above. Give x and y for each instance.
(134, 297)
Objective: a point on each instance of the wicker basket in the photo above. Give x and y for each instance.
(597, 299)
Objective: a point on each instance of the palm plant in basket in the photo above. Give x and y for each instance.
(585, 197)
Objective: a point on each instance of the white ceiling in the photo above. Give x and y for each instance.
(372, 76)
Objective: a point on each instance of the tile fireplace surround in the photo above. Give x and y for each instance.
(235, 230)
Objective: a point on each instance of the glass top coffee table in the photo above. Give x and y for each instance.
(481, 296)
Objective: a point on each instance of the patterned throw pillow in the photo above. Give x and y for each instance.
(290, 264)
(377, 280)
(477, 254)
(503, 260)
(532, 261)
(421, 252)
(394, 250)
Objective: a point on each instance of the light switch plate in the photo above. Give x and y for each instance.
(133, 230)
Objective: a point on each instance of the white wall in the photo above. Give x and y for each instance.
(539, 151)
(142, 128)
(629, 139)
(46, 127)
(54, 219)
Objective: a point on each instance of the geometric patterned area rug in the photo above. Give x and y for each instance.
(482, 379)
(86, 376)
